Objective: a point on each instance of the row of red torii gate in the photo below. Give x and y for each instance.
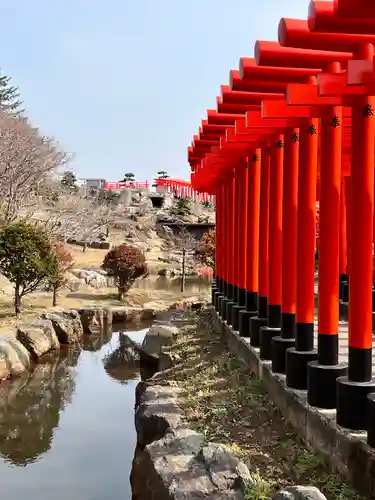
(296, 126)
(183, 189)
(180, 188)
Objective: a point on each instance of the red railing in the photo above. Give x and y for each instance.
(118, 185)
(183, 189)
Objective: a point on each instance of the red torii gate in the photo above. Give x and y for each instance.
(183, 189)
(298, 120)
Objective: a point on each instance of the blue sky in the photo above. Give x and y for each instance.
(125, 83)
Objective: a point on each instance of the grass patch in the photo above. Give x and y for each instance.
(227, 404)
(260, 488)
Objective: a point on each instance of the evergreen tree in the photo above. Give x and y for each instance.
(26, 259)
(69, 181)
(162, 174)
(181, 207)
(129, 177)
(9, 96)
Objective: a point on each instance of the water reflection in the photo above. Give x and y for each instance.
(122, 363)
(66, 430)
(97, 340)
(192, 284)
(30, 407)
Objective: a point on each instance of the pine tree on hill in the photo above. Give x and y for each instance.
(129, 177)
(9, 96)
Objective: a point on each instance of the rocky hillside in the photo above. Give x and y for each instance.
(138, 222)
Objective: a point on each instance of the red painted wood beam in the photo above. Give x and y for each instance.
(215, 118)
(362, 8)
(205, 144)
(210, 137)
(231, 108)
(254, 119)
(323, 17)
(250, 70)
(337, 85)
(273, 54)
(279, 109)
(361, 72)
(237, 83)
(229, 96)
(305, 94)
(237, 103)
(295, 33)
(212, 129)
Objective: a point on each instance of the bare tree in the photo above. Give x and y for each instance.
(75, 217)
(187, 244)
(26, 159)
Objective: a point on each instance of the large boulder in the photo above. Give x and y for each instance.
(145, 202)
(174, 462)
(147, 312)
(121, 314)
(162, 216)
(91, 277)
(81, 274)
(67, 325)
(164, 232)
(180, 467)
(299, 493)
(38, 337)
(96, 280)
(91, 319)
(125, 198)
(95, 320)
(157, 337)
(74, 284)
(168, 200)
(4, 367)
(16, 356)
(158, 411)
(167, 360)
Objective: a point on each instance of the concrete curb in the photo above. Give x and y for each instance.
(346, 452)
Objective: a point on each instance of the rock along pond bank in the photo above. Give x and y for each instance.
(66, 426)
(67, 404)
(204, 427)
(22, 348)
(207, 429)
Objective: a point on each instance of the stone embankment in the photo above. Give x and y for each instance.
(21, 349)
(98, 245)
(173, 461)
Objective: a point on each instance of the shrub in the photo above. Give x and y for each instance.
(182, 207)
(64, 262)
(26, 259)
(125, 263)
(205, 253)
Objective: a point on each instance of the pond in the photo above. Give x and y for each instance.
(67, 430)
(193, 284)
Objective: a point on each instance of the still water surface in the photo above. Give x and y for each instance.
(67, 430)
(193, 284)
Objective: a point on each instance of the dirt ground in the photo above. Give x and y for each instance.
(93, 258)
(228, 405)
